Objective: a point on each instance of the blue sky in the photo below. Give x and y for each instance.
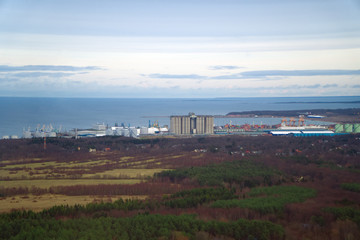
(158, 48)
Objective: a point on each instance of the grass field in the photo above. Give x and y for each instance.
(49, 172)
(65, 182)
(25, 175)
(120, 167)
(126, 173)
(38, 203)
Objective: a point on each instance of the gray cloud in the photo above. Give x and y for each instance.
(230, 76)
(42, 74)
(314, 86)
(62, 68)
(221, 67)
(295, 86)
(176, 76)
(191, 76)
(263, 75)
(330, 85)
(288, 73)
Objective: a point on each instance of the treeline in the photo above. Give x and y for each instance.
(33, 148)
(181, 199)
(269, 199)
(135, 228)
(245, 173)
(195, 197)
(145, 188)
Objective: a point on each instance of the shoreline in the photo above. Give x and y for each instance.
(349, 115)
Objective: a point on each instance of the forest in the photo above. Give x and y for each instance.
(228, 187)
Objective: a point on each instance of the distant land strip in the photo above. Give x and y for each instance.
(342, 111)
(351, 112)
(317, 102)
(155, 116)
(348, 115)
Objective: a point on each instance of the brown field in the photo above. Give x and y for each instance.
(77, 169)
(47, 172)
(95, 168)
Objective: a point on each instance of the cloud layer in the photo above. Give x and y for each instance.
(222, 48)
(176, 76)
(259, 74)
(62, 68)
(220, 67)
(286, 73)
(17, 73)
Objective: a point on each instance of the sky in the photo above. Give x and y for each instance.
(179, 48)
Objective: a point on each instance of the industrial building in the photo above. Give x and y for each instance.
(192, 124)
(347, 128)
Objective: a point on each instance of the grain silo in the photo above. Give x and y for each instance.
(192, 124)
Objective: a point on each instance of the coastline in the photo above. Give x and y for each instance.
(349, 115)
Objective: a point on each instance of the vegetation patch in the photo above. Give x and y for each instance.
(142, 188)
(62, 182)
(125, 173)
(354, 187)
(269, 199)
(137, 227)
(196, 197)
(246, 173)
(345, 213)
(38, 203)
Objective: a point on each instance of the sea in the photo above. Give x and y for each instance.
(19, 113)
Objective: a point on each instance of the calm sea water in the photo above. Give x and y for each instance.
(19, 113)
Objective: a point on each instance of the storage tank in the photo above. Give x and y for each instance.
(348, 128)
(143, 130)
(39, 134)
(153, 130)
(133, 132)
(109, 132)
(357, 128)
(164, 129)
(117, 131)
(339, 128)
(125, 132)
(51, 134)
(27, 134)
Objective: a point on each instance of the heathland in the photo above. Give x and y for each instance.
(228, 187)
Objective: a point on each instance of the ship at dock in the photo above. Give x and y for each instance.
(286, 127)
(291, 125)
(301, 130)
